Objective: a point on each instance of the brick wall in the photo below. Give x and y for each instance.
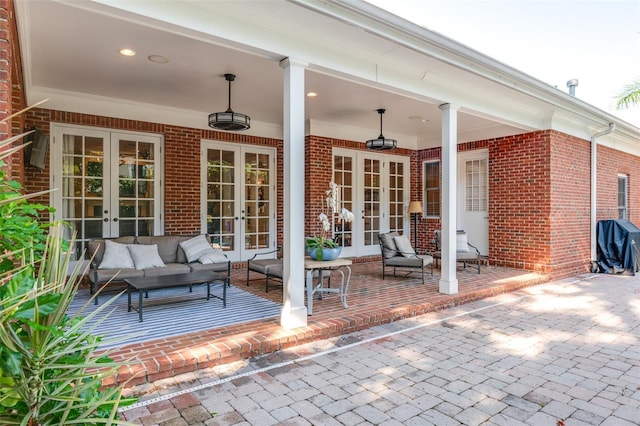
(610, 164)
(570, 205)
(519, 201)
(182, 162)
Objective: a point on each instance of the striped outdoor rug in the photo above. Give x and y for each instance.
(186, 312)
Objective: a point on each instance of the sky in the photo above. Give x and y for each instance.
(596, 42)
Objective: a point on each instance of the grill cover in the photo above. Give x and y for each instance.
(618, 247)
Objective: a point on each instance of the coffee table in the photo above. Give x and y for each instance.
(146, 284)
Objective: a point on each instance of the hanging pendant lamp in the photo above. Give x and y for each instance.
(229, 120)
(381, 143)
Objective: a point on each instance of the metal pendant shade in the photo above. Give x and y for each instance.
(229, 120)
(381, 143)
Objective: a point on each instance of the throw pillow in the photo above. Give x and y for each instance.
(116, 256)
(389, 248)
(404, 246)
(461, 243)
(195, 248)
(145, 256)
(215, 256)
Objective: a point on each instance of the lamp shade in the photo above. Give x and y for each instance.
(415, 207)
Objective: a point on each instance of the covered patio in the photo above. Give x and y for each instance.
(372, 301)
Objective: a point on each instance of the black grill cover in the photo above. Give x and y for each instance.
(618, 246)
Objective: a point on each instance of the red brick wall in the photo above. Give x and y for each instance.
(519, 201)
(610, 163)
(5, 68)
(570, 205)
(182, 162)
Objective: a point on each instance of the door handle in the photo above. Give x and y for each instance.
(115, 219)
(106, 219)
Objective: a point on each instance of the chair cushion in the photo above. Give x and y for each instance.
(404, 246)
(417, 261)
(262, 265)
(461, 242)
(389, 248)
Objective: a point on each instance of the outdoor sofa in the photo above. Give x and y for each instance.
(114, 260)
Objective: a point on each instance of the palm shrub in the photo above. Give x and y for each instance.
(51, 368)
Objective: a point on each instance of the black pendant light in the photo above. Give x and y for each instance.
(381, 143)
(229, 120)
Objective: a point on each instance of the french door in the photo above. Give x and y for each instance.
(107, 183)
(473, 197)
(239, 197)
(375, 188)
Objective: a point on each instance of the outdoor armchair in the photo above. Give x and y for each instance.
(397, 253)
(465, 251)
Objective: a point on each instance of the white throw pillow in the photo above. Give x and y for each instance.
(404, 246)
(461, 243)
(215, 256)
(145, 256)
(195, 248)
(116, 256)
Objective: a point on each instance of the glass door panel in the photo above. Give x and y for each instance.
(396, 197)
(136, 195)
(343, 177)
(256, 204)
(80, 169)
(220, 197)
(371, 196)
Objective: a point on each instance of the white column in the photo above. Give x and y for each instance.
(448, 281)
(294, 313)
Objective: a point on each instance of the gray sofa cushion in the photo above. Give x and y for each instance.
(215, 267)
(104, 275)
(168, 269)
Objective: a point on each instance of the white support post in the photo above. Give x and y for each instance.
(294, 312)
(448, 281)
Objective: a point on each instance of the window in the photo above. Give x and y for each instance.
(623, 185)
(432, 188)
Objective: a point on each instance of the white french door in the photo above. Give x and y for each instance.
(473, 197)
(239, 197)
(108, 182)
(375, 187)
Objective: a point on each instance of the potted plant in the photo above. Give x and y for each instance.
(323, 246)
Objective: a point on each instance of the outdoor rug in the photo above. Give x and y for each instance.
(186, 313)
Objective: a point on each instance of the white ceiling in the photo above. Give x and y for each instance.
(71, 51)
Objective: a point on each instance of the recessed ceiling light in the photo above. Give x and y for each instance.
(312, 94)
(158, 59)
(127, 52)
(418, 118)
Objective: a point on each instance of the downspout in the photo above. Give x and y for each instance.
(594, 149)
